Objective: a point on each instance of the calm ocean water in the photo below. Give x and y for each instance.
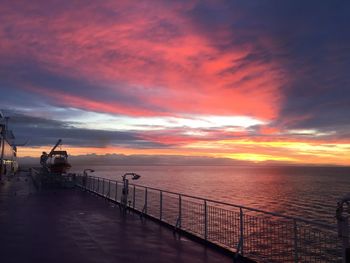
(308, 192)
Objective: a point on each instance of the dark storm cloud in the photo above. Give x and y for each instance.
(19, 79)
(316, 52)
(40, 131)
(313, 41)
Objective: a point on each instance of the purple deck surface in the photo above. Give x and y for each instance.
(70, 225)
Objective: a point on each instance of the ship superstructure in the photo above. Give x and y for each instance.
(8, 149)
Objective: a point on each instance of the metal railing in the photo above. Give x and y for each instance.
(259, 235)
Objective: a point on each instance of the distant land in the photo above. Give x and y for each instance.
(176, 160)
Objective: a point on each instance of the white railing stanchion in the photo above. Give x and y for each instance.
(241, 230)
(296, 257)
(205, 220)
(342, 216)
(116, 191)
(109, 188)
(180, 212)
(161, 206)
(133, 197)
(146, 193)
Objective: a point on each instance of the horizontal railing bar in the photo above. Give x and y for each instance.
(307, 221)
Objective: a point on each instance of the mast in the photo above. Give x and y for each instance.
(54, 148)
(3, 138)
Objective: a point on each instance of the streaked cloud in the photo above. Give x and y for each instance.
(155, 63)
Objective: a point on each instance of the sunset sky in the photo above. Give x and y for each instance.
(247, 80)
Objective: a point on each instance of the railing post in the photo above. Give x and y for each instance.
(161, 206)
(98, 185)
(296, 257)
(116, 191)
(345, 240)
(180, 206)
(205, 220)
(103, 187)
(241, 228)
(342, 215)
(146, 200)
(133, 197)
(109, 188)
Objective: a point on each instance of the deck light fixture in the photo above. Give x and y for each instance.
(134, 176)
(125, 192)
(88, 170)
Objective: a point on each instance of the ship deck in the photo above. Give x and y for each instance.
(70, 225)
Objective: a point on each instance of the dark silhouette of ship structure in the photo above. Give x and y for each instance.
(8, 149)
(58, 160)
(54, 169)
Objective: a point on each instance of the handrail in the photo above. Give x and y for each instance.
(292, 239)
(307, 221)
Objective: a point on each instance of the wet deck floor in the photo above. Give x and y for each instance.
(75, 226)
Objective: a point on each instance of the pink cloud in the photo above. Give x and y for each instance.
(160, 56)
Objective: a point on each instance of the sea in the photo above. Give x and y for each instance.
(306, 192)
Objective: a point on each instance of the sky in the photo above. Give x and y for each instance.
(260, 81)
